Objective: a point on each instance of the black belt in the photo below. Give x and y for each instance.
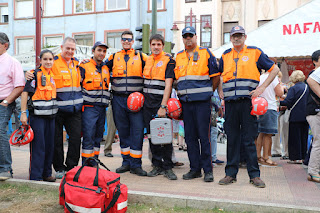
(238, 99)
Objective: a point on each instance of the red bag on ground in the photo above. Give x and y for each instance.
(94, 190)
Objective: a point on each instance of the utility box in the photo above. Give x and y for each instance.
(161, 131)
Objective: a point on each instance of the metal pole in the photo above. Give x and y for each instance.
(38, 31)
(154, 17)
(191, 17)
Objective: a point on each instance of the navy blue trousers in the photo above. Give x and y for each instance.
(93, 120)
(241, 128)
(196, 118)
(130, 128)
(41, 148)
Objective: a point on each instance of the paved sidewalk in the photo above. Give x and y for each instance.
(287, 185)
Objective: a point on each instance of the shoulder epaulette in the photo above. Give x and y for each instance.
(56, 58)
(169, 55)
(201, 48)
(180, 52)
(252, 47)
(227, 51)
(85, 62)
(75, 59)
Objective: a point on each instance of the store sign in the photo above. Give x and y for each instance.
(308, 27)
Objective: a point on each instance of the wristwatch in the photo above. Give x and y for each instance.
(5, 101)
(163, 106)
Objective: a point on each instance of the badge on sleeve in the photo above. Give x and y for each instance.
(33, 83)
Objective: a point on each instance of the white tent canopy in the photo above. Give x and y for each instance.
(292, 35)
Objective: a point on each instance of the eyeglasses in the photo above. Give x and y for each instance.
(187, 35)
(127, 39)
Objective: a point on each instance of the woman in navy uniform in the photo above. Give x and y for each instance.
(42, 110)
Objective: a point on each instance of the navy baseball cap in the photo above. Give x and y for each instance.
(237, 29)
(190, 30)
(99, 43)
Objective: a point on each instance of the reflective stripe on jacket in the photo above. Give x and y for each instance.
(193, 75)
(241, 71)
(154, 74)
(95, 83)
(44, 99)
(127, 71)
(67, 78)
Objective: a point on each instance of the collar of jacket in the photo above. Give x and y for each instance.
(156, 57)
(127, 51)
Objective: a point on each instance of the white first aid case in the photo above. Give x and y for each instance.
(161, 131)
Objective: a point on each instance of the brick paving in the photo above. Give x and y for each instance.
(286, 184)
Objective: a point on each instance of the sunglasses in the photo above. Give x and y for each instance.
(187, 35)
(127, 39)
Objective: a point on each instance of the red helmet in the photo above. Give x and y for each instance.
(259, 106)
(135, 101)
(174, 108)
(21, 136)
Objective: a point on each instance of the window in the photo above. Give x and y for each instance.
(84, 39)
(205, 34)
(187, 18)
(4, 14)
(50, 41)
(24, 45)
(160, 4)
(262, 22)
(24, 8)
(227, 26)
(82, 6)
(188, 1)
(53, 7)
(117, 4)
(114, 40)
(205, 0)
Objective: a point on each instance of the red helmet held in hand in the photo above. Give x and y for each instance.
(21, 136)
(174, 108)
(259, 106)
(135, 101)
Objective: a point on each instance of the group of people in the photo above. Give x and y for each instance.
(65, 93)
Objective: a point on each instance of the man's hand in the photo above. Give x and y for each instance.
(220, 112)
(161, 113)
(29, 75)
(24, 119)
(221, 94)
(3, 104)
(257, 92)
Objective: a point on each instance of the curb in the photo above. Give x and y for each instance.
(170, 201)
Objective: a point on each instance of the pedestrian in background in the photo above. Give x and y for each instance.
(296, 101)
(11, 86)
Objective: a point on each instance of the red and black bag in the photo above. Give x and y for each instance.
(89, 189)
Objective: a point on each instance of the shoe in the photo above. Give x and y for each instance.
(49, 179)
(284, 158)
(170, 174)
(191, 175)
(138, 171)
(185, 148)
(208, 177)
(108, 155)
(155, 172)
(275, 155)
(60, 174)
(257, 182)
(217, 161)
(268, 163)
(180, 147)
(5, 175)
(242, 165)
(227, 180)
(294, 162)
(178, 164)
(123, 169)
(314, 178)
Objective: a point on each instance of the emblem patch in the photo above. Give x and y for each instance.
(237, 28)
(159, 64)
(33, 83)
(118, 58)
(105, 72)
(135, 57)
(64, 71)
(51, 80)
(245, 58)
